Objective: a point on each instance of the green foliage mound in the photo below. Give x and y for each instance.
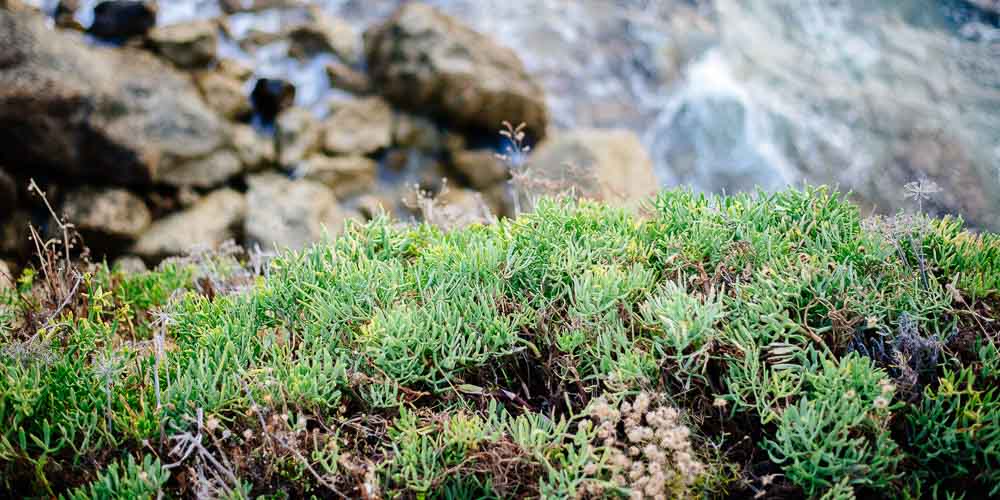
(770, 345)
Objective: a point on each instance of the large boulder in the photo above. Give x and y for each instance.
(605, 165)
(289, 213)
(210, 222)
(359, 126)
(114, 114)
(426, 60)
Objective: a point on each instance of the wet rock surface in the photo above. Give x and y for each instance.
(115, 114)
(424, 59)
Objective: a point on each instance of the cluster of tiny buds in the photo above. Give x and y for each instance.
(648, 448)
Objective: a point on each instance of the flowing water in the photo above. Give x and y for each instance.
(732, 94)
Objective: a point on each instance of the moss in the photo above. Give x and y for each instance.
(783, 331)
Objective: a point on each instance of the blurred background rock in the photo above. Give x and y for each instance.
(157, 126)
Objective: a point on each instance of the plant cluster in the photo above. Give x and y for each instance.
(765, 344)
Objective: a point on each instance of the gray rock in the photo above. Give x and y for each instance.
(325, 33)
(130, 264)
(210, 171)
(116, 114)
(224, 94)
(359, 126)
(254, 150)
(346, 176)
(413, 131)
(344, 77)
(481, 168)
(605, 165)
(425, 60)
(287, 213)
(211, 221)
(106, 213)
(187, 45)
(298, 134)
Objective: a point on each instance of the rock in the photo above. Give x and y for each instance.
(938, 157)
(214, 219)
(425, 60)
(129, 264)
(188, 45)
(458, 208)
(289, 213)
(604, 165)
(106, 214)
(481, 168)
(122, 19)
(254, 150)
(271, 96)
(359, 126)
(412, 131)
(373, 205)
(224, 95)
(113, 114)
(207, 172)
(346, 176)
(298, 134)
(500, 200)
(324, 33)
(8, 194)
(344, 77)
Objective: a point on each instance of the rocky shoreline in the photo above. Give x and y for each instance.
(138, 121)
(150, 143)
